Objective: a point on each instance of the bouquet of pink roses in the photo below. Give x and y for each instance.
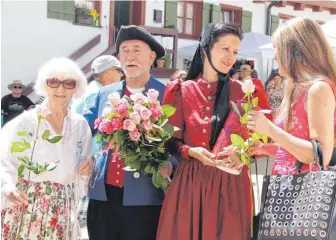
(137, 128)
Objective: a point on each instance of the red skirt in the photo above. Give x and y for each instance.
(205, 203)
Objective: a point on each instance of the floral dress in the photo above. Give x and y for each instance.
(275, 98)
(51, 194)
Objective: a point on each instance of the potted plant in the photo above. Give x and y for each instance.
(160, 62)
(166, 25)
(83, 15)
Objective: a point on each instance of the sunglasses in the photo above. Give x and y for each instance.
(67, 84)
(17, 87)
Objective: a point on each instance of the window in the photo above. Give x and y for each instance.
(228, 16)
(231, 14)
(186, 18)
(82, 12)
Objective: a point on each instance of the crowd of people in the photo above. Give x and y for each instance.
(202, 202)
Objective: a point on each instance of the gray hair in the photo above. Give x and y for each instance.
(61, 68)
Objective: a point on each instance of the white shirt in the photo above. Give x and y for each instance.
(74, 148)
(135, 90)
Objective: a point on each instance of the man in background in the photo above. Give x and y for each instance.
(15, 103)
(245, 72)
(106, 70)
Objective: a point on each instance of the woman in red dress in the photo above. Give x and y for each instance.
(204, 202)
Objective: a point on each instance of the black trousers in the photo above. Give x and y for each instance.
(111, 220)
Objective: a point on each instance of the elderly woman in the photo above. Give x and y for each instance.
(38, 206)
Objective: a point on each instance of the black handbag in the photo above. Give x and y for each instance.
(299, 207)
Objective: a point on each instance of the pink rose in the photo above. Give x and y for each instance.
(106, 111)
(42, 111)
(114, 98)
(135, 117)
(97, 122)
(138, 98)
(152, 95)
(137, 108)
(103, 126)
(109, 127)
(145, 113)
(122, 109)
(135, 135)
(156, 110)
(248, 86)
(117, 123)
(129, 125)
(147, 124)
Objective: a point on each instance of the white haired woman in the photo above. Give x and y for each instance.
(46, 201)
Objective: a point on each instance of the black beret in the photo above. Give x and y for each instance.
(133, 32)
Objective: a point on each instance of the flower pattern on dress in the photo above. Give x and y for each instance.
(45, 217)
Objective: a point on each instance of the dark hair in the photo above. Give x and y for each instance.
(274, 73)
(254, 73)
(232, 72)
(223, 29)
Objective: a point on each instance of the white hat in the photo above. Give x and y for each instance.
(16, 82)
(102, 63)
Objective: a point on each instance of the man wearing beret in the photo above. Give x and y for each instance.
(124, 205)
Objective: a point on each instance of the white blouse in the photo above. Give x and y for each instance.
(73, 149)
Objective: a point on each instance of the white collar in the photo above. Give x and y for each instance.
(135, 90)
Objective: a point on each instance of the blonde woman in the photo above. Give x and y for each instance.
(308, 107)
(47, 203)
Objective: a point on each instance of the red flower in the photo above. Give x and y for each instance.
(97, 123)
(60, 233)
(53, 223)
(236, 128)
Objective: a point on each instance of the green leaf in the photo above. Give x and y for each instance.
(27, 144)
(130, 157)
(235, 108)
(99, 137)
(134, 165)
(119, 137)
(110, 115)
(168, 129)
(162, 132)
(159, 178)
(46, 135)
(20, 170)
(243, 158)
(51, 167)
(18, 147)
(246, 107)
(24, 159)
(155, 181)
(165, 183)
(164, 164)
(22, 134)
(265, 139)
(148, 169)
(237, 140)
(255, 101)
(255, 136)
(48, 189)
(243, 119)
(55, 139)
(168, 110)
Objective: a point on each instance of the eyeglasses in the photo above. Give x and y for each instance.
(17, 87)
(67, 84)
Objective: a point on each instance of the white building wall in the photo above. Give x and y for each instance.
(150, 6)
(29, 39)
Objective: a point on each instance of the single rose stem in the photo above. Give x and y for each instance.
(25, 189)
